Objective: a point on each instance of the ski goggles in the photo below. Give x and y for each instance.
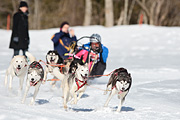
(95, 44)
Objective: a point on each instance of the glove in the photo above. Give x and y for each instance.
(15, 39)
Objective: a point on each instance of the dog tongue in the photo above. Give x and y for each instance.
(31, 84)
(120, 92)
(17, 70)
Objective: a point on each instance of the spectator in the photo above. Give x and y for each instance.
(20, 35)
(63, 39)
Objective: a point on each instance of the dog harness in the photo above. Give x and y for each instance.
(37, 65)
(36, 82)
(77, 83)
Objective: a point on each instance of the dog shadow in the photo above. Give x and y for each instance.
(125, 109)
(82, 109)
(41, 101)
(84, 96)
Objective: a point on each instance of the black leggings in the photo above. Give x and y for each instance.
(16, 52)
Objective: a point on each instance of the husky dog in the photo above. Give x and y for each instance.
(119, 83)
(52, 58)
(18, 68)
(34, 78)
(73, 83)
(76, 84)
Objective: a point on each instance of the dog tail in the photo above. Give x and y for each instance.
(30, 57)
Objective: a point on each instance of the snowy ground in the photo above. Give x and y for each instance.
(151, 54)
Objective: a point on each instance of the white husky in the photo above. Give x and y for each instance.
(119, 83)
(34, 77)
(74, 85)
(18, 68)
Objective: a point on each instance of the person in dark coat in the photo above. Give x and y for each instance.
(63, 39)
(20, 35)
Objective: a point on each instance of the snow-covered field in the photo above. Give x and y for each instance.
(151, 54)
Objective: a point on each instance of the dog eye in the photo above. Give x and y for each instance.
(82, 70)
(16, 61)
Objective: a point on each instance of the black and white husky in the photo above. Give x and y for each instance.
(52, 58)
(34, 77)
(119, 83)
(74, 83)
(18, 67)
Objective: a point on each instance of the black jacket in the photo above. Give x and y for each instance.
(20, 30)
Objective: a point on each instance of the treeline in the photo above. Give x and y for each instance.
(50, 13)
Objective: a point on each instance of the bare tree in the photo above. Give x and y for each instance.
(120, 20)
(88, 12)
(155, 10)
(109, 16)
(36, 23)
(126, 13)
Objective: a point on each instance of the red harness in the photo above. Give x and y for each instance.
(36, 82)
(77, 83)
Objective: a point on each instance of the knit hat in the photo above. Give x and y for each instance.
(64, 23)
(23, 4)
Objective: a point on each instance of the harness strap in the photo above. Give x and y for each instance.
(77, 83)
(37, 82)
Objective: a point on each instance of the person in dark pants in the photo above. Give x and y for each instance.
(95, 54)
(63, 39)
(20, 35)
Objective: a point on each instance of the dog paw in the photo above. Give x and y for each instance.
(31, 103)
(73, 102)
(65, 107)
(43, 82)
(105, 92)
(22, 101)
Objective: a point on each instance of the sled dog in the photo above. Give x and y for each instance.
(18, 68)
(34, 77)
(52, 58)
(119, 83)
(74, 84)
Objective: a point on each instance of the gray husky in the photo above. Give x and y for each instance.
(119, 83)
(73, 83)
(34, 78)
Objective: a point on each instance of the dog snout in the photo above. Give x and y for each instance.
(86, 75)
(32, 79)
(19, 66)
(123, 88)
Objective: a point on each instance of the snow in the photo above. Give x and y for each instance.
(151, 54)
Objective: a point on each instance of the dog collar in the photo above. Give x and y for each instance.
(36, 82)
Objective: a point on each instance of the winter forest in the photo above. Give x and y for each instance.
(50, 13)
